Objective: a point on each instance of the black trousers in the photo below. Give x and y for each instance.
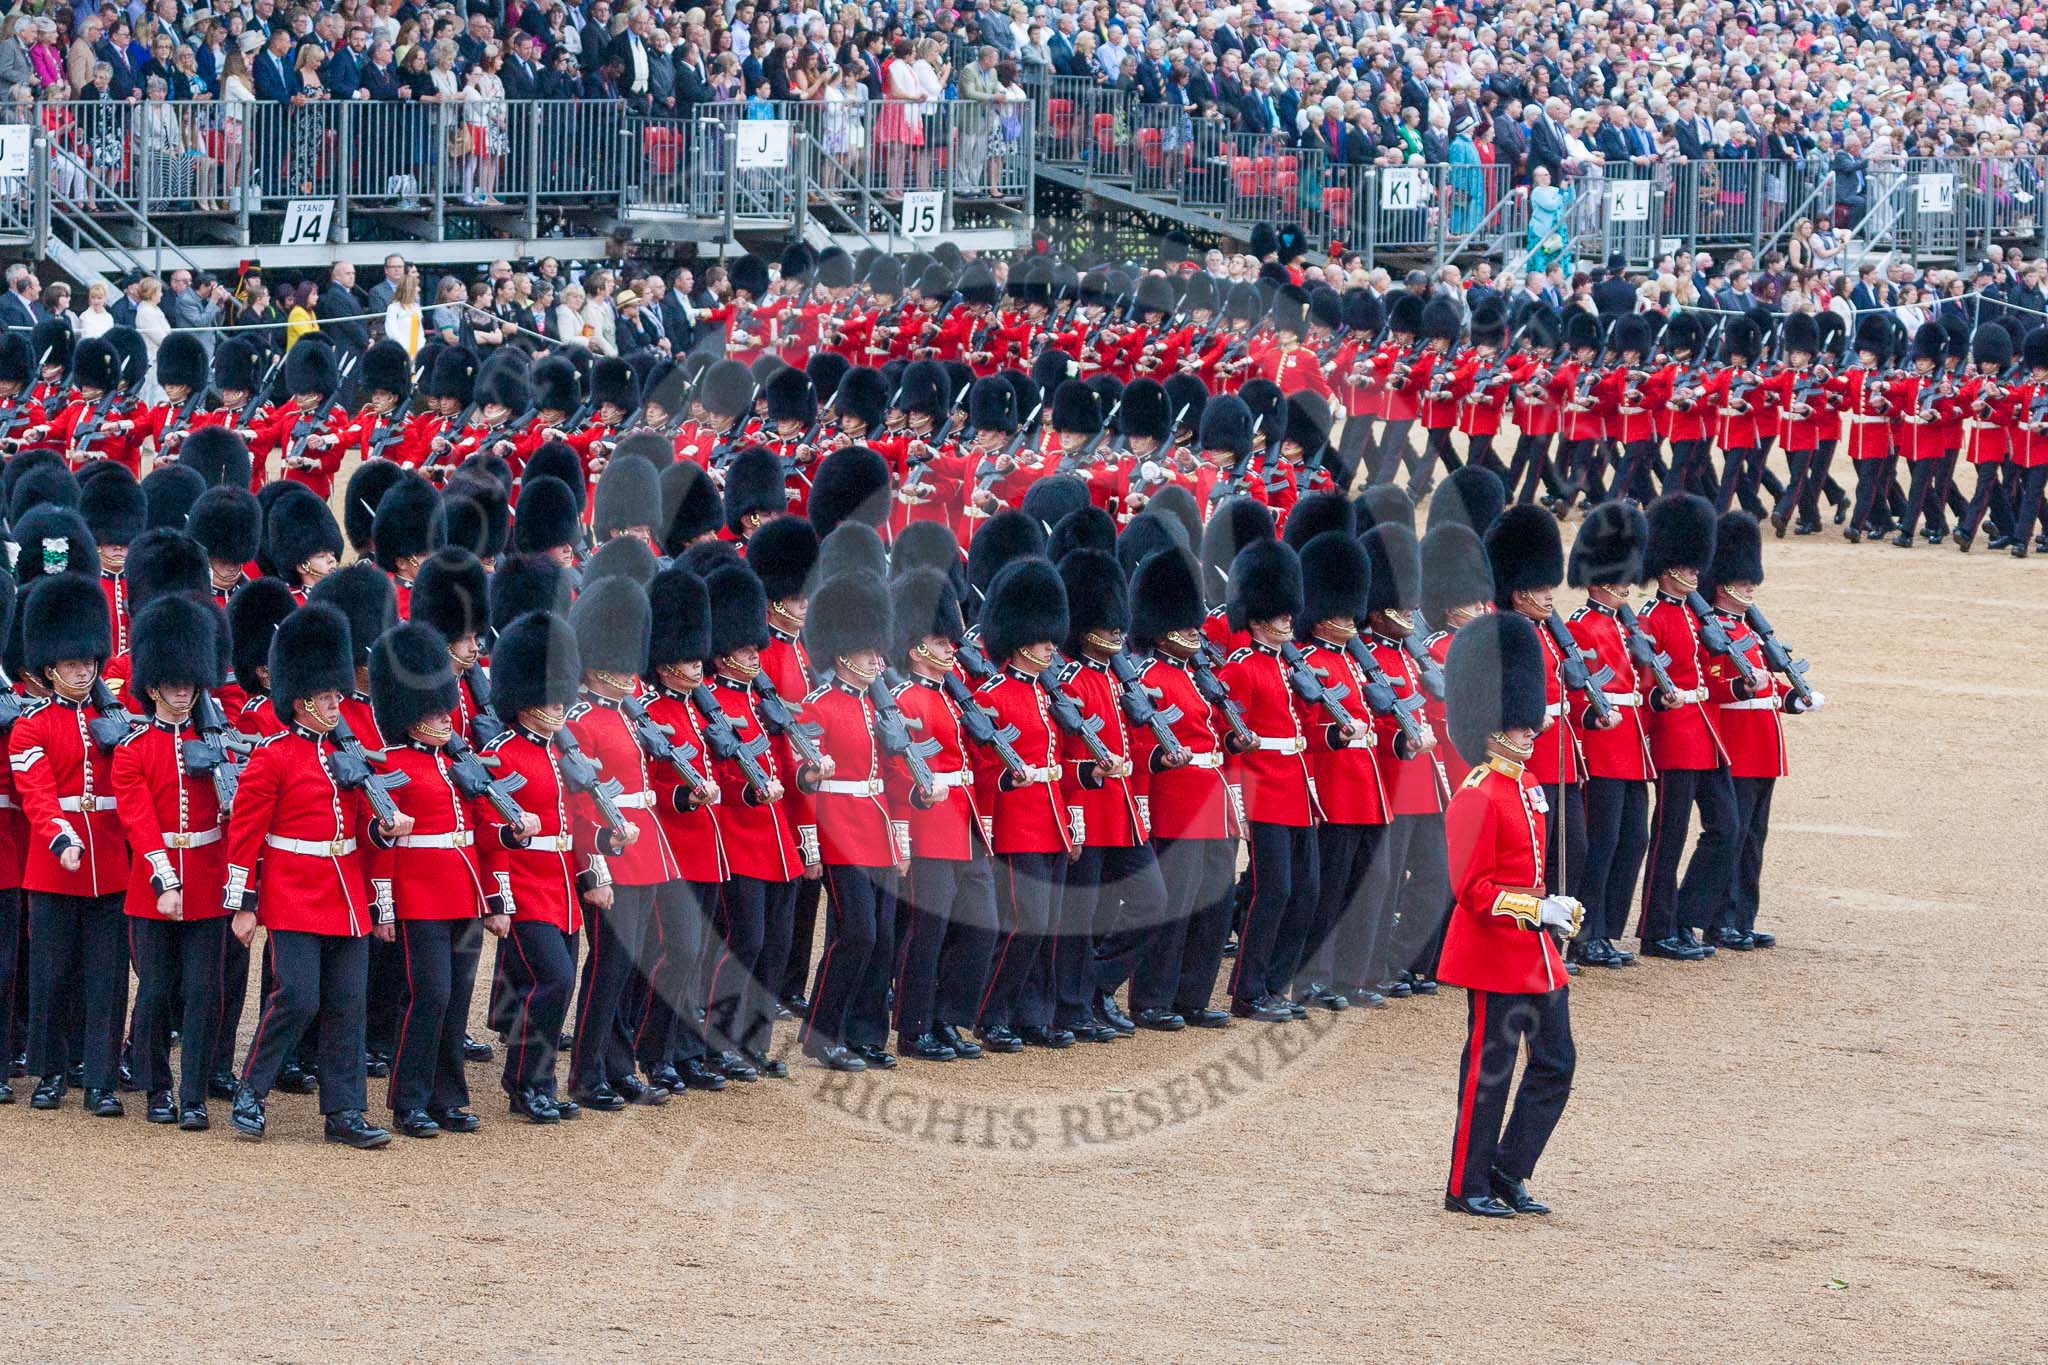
(1177, 970)
(316, 976)
(386, 997)
(849, 997)
(1695, 902)
(1028, 887)
(1617, 837)
(540, 963)
(1344, 853)
(1809, 469)
(1128, 909)
(1422, 905)
(615, 936)
(77, 951)
(1479, 450)
(1581, 463)
(1636, 477)
(1692, 466)
(1357, 440)
(1532, 465)
(1360, 951)
(1753, 827)
(234, 986)
(803, 932)
(2027, 506)
(1873, 513)
(1566, 821)
(1497, 1024)
(1436, 449)
(947, 944)
(1394, 450)
(439, 958)
(739, 1007)
(673, 997)
(13, 942)
(1283, 902)
(164, 953)
(1741, 472)
(1923, 495)
(778, 949)
(1988, 497)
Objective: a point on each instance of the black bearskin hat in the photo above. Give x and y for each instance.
(848, 614)
(1089, 528)
(739, 609)
(556, 460)
(94, 365)
(1455, 571)
(1630, 332)
(1306, 421)
(112, 504)
(17, 365)
(1236, 523)
(923, 386)
(309, 653)
(1404, 315)
(411, 678)
(1077, 408)
(1052, 499)
(169, 493)
(613, 626)
(646, 445)
(1265, 583)
(1609, 548)
(1494, 679)
(826, 370)
(385, 368)
(1289, 312)
(1226, 425)
(1740, 339)
(534, 664)
(181, 360)
(221, 456)
(164, 562)
(754, 483)
(409, 522)
(524, 583)
(1681, 535)
(310, 367)
(621, 557)
(1052, 368)
(1441, 319)
(854, 547)
(177, 640)
(52, 343)
(453, 375)
(1026, 605)
(791, 398)
(992, 405)
(922, 602)
(53, 540)
(727, 389)
(227, 523)
(783, 553)
(680, 608)
(749, 273)
(1097, 597)
(65, 617)
(238, 364)
(628, 494)
(452, 594)
(1472, 496)
(1145, 411)
(1165, 597)
(862, 394)
(1336, 577)
(926, 545)
(1143, 537)
(1177, 504)
(1396, 568)
(1738, 553)
(852, 483)
(690, 506)
(1315, 513)
(39, 479)
(1799, 332)
(365, 598)
(366, 489)
(611, 381)
(546, 516)
(2033, 348)
(1682, 335)
(255, 612)
(1384, 504)
(478, 516)
(1007, 536)
(297, 527)
(1991, 344)
(1526, 552)
(555, 385)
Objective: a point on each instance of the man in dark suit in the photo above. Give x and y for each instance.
(115, 55)
(276, 81)
(1510, 139)
(1695, 132)
(1614, 295)
(19, 311)
(380, 73)
(520, 74)
(1261, 113)
(342, 73)
(1852, 182)
(339, 300)
(1202, 81)
(1610, 141)
(1546, 139)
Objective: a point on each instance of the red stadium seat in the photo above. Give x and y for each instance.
(664, 146)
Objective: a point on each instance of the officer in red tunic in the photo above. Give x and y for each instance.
(95, 424)
(1502, 943)
(1751, 727)
(535, 674)
(1685, 742)
(296, 866)
(2029, 468)
(76, 874)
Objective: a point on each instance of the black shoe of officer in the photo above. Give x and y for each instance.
(1759, 938)
(161, 1109)
(769, 1068)
(1000, 1038)
(735, 1067)
(376, 1065)
(833, 1057)
(797, 1006)
(1112, 1014)
(6, 1093)
(1903, 541)
(697, 1074)
(351, 1129)
(1514, 1193)
(75, 1075)
(248, 1117)
(1418, 985)
(638, 1091)
(413, 1123)
(193, 1119)
(876, 1056)
(1571, 969)
(1163, 1021)
(49, 1093)
(1733, 939)
(296, 1080)
(17, 1066)
(1046, 1037)
(602, 1098)
(568, 1109)
(1478, 1205)
(455, 1120)
(104, 1104)
(1266, 1009)
(666, 1077)
(1206, 1017)
(925, 1047)
(1675, 947)
(221, 1085)
(965, 1048)
(1325, 998)
(1395, 989)
(1593, 952)
(474, 1051)
(1692, 936)
(535, 1107)
(1622, 957)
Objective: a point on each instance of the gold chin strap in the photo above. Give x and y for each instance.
(1109, 642)
(616, 681)
(924, 652)
(1458, 616)
(1037, 659)
(1343, 630)
(58, 686)
(1745, 598)
(1509, 749)
(1186, 640)
(1399, 618)
(178, 714)
(540, 724)
(435, 734)
(863, 676)
(1685, 578)
(743, 672)
(317, 723)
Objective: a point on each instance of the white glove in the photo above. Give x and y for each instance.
(1560, 912)
(1819, 700)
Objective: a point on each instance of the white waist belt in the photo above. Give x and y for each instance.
(948, 781)
(549, 843)
(1035, 776)
(1623, 698)
(1212, 759)
(88, 804)
(312, 848)
(1769, 703)
(198, 838)
(461, 838)
(634, 800)
(1292, 744)
(833, 786)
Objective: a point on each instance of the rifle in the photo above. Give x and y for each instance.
(1714, 636)
(309, 424)
(186, 412)
(1067, 714)
(391, 426)
(213, 754)
(1310, 687)
(10, 708)
(980, 726)
(1573, 674)
(471, 774)
(255, 400)
(778, 717)
(893, 730)
(1432, 672)
(579, 775)
(349, 765)
(1644, 651)
(1077, 458)
(455, 427)
(986, 473)
(1201, 666)
(114, 722)
(1233, 483)
(974, 660)
(1381, 699)
(1780, 660)
(88, 428)
(725, 740)
(1139, 710)
(653, 738)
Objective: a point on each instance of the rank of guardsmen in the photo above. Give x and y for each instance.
(1065, 644)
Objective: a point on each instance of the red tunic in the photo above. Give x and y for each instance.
(1274, 780)
(948, 829)
(1685, 737)
(1414, 786)
(1624, 751)
(1752, 729)
(1029, 817)
(1109, 814)
(447, 867)
(760, 838)
(542, 870)
(296, 839)
(1493, 834)
(1191, 801)
(846, 816)
(172, 821)
(692, 829)
(607, 739)
(1348, 786)
(65, 783)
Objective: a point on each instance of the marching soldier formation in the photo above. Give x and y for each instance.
(1049, 636)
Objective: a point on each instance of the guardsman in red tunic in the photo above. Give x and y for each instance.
(1538, 395)
(1606, 560)
(1400, 371)
(670, 1042)
(97, 424)
(1639, 391)
(783, 552)
(2030, 445)
(1582, 419)
(1866, 409)
(1683, 417)
(1993, 416)
(1352, 799)
(1481, 383)
(792, 434)
(1291, 365)
(612, 622)
(1023, 618)
(408, 527)
(18, 408)
(431, 435)
(1190, 807)
(1115, 898)
(182, 370)
(177, 925)
(297, 866)
(1925, 402)
(1751, 726)
(114, 510)
(949, 935)
(726, 395)
(534, 673)
(846, 827)
(1502, 942)
(76, 874)
(1437, 397)
(228, 524)
(1685, 744)
(1276, 786)
(309, 433)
